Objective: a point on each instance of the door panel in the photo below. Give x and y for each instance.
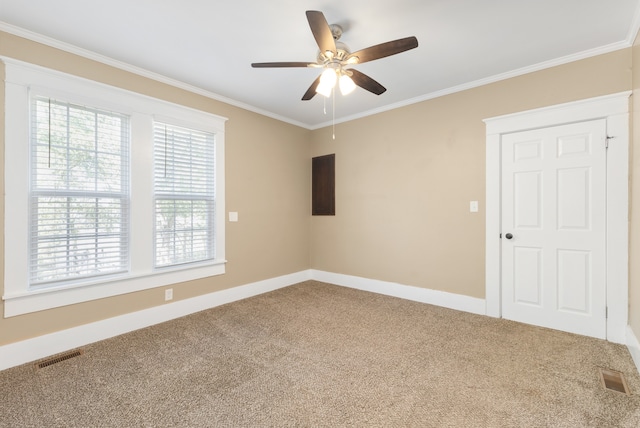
(527, 196)
(528, 276)
(574, 190)
(574, 281)
(553, 208)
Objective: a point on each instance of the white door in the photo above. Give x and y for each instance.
(553, 227)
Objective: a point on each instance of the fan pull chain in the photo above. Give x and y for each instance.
(334, 113)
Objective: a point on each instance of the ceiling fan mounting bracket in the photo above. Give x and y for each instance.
(336, 31)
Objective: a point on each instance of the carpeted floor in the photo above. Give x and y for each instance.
(318, 355)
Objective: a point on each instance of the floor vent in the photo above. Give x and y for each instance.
(58, 358)
(614, 381)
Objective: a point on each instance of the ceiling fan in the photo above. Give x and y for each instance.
(337, 60)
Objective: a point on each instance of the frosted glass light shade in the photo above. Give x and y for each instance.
(327, 82)
(346, 84)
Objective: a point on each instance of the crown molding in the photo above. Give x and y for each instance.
(491, 79)
(48, 41)
(67, 47)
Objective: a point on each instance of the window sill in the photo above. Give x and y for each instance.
(52, 297)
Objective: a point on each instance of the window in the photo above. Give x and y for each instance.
(184, 194)
(97, 202)
(79, 192)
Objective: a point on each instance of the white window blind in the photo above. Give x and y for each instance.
(79, 192)
(184, 195)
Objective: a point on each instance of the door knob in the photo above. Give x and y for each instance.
(508, 236)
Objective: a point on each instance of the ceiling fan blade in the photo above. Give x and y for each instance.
(366, 82)
(311, 92)
(280, 64)
(321, 31)
(385, 49)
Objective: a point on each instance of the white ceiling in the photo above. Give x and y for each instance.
(210, 44)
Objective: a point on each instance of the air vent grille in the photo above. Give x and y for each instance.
(58, 358)
(614, 381)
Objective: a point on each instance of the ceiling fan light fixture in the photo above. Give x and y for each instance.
(327, 82)
(346, 85)
(329, 77)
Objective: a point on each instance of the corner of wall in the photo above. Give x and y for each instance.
(634, 347)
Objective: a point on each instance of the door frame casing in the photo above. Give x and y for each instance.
(615, 109)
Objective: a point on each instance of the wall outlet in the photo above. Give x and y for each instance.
(168, 294)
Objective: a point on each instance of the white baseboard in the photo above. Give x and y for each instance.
(15, 354)
(418, 294)
(634, 347)
(25, 351)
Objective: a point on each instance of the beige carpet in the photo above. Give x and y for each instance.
(318, 355)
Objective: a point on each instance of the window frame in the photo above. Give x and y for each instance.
(22, 80)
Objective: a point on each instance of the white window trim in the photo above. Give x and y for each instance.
(21, 78)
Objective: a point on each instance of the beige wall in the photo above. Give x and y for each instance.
(267, 183)
(403, 184)
(634, 235)
(404, 178)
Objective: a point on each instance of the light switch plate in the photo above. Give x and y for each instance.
(233, 216)
(473, 206)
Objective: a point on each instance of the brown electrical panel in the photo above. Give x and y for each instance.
(323, 185)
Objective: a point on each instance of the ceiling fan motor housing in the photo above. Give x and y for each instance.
(342, 52)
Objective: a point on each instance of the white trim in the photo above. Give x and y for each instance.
(66, 85)
(485, 81)
(634, 347)
(25, 302)
(48, 41)
(575, 111)
(493, 219)
(18, 353)
(67, 47)
(15, 354)
(25, 351)
(618, 225)
(21, 80)
(635, 26)
(417, 294)
(614, 108)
